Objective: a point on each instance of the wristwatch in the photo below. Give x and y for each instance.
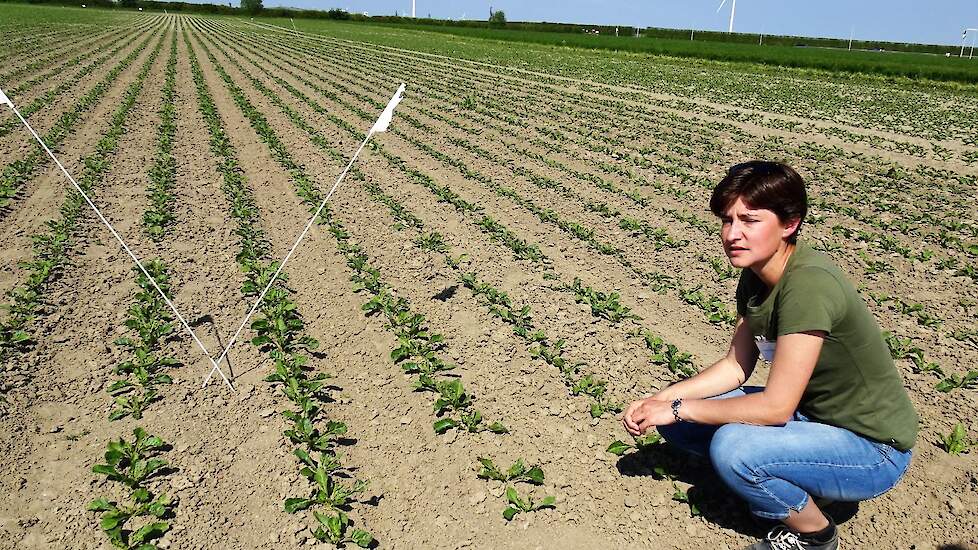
(676, 403)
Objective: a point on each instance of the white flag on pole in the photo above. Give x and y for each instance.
(385, 118)
(4, 100)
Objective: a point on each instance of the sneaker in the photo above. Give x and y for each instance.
(782, 538)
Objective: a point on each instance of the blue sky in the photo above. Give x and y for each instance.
(929, 21)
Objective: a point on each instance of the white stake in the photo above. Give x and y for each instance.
(6, 100)
(383, 121)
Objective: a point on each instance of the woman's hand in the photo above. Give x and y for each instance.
(648, 412)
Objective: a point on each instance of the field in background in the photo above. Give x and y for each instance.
(526, 250)
(798, 54)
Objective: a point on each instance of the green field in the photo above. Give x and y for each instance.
(897, 64)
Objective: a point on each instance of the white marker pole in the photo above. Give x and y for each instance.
(380, 126)
(6, 101)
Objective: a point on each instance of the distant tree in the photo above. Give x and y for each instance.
(251, 6)
(498, 19)
(127, 3)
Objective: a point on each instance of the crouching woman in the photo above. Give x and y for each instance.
(833, 420)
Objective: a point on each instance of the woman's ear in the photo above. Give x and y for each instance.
(790, 228)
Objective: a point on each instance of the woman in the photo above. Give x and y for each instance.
(834, 420)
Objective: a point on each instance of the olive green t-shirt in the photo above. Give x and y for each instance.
(855, 384)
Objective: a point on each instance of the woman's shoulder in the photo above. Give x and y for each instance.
(809, 266)
(815, 281)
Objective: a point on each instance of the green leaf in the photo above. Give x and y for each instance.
(517, 469)
(546, 502)
(514, 498)
(100, 505)
(293, 505)
(498, 428)
(535, 475)
(149, 532)
(104, 469)
(112, 519)
(443, 425)
(510, 512)
(618, 447)
(362, 538)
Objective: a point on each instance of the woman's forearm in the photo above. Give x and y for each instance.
(720, 377)
(754, 408)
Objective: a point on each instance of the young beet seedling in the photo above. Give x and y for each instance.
(517, 505)
(516, 473)
(954, 381)
(679, 495)
(115, 518)
(619, 448)
(334, 529)
(328, 491)
(131, 463)
(957, 442)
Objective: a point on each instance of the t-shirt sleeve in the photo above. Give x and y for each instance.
(811, 299)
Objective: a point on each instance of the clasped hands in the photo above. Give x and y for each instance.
(645, 413)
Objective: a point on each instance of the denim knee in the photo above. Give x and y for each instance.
(728, 451)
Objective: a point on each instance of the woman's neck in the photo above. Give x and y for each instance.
(772, 270)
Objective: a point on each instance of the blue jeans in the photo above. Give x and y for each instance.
(776, 468)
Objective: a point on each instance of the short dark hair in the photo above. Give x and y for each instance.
(767, 185)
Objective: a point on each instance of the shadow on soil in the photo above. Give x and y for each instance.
(709, 495)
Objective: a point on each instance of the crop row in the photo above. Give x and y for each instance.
(279, 334)
(140, 515)
(159, 216)
(136, 464)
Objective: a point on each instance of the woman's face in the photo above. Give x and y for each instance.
(751, 236)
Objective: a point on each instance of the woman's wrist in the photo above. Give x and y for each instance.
(668, 393)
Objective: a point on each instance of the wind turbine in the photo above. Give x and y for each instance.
(733, 10)
(412, 8)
